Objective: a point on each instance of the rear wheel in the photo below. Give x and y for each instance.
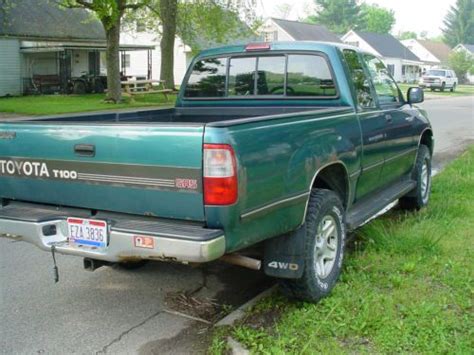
(324, 248)
(420, 196)
(453, 89)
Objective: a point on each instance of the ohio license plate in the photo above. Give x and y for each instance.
(88, 232)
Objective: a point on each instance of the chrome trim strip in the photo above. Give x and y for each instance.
(374, 165)
(271, 205)
(405, 152)
(355, 173)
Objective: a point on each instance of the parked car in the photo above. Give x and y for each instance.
(280, 147)
(439, 79)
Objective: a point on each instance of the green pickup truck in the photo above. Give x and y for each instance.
(271, 154)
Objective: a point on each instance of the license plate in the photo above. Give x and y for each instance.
(88, 232)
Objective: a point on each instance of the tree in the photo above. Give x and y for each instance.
(110, 13)
(195, 22)
(407, 35)
(284, 10)
(462, 63)
(459, 23)
(376, 19)
(338, 16)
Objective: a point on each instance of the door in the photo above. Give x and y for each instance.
(399, 146)
(94, 63)
(372, 125)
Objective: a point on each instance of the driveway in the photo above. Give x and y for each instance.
(161, 308)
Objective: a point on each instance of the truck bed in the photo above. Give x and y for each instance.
(178, 115)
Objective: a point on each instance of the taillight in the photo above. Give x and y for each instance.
(220, 175)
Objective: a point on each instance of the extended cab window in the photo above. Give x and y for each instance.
(309, 75)
(207, 78)
(360, 79)
(385, 86)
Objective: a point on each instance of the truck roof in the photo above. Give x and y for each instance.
(278, 46)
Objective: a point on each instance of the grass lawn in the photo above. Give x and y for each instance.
(461, 90)
(56, 104)
(407, 286)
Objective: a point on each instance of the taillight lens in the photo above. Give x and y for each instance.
(220, 175)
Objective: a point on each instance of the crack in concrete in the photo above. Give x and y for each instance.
(117, 339)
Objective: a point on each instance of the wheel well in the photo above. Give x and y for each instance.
(334, 177)
(427, 139)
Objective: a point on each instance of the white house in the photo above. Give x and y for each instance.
(43, 48)
(136, 62)
(275, 29)
(431, 53)
(183, 53)
(403, 65)
(469, 49)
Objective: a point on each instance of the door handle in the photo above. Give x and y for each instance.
(85, 150)
(388, 118)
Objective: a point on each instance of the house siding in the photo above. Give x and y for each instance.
(10, 69)
(139, 60)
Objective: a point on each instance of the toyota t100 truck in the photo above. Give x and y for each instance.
(280, 148)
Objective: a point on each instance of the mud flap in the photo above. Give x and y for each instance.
(284, 255)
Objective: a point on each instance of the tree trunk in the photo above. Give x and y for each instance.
(114, 89)
(168, 11)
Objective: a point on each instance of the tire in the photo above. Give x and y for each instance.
(419, 197)
(453, 88)
(133, 265)
(323, 263)
(79, 88)
(443, 86)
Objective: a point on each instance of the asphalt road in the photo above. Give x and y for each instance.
(147, 310)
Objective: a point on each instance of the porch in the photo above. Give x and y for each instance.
(51, 67)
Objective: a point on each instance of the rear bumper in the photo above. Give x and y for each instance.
(174, 241)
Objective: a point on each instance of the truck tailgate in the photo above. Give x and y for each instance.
(153, 170)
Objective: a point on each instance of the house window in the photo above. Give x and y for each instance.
(140, 26)
(126, 60)
(355, 44)
(270, 36)
(404, 69)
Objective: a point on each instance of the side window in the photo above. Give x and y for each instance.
(364, 95)
(242, 76)
(271, 76)
(309, 75)
(207, 78)
(385, 86)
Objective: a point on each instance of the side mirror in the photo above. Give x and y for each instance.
(415, 95)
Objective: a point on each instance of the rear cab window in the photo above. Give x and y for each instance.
(207, 79)
(292, 75)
